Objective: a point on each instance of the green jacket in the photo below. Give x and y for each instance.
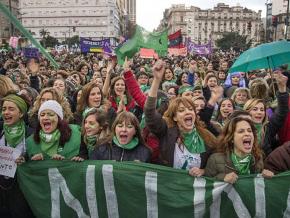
(70, 149)
(220, 164)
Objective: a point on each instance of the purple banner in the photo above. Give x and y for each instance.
(205, 49)
(31, 52)
(91, 46)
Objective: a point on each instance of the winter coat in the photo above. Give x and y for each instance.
(167, 136)
(275, 123)
(70, 149)
(220, 164)
(279, 160)
(110, 151)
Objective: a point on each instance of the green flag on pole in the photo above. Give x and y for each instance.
(27, 34)
(143, 39)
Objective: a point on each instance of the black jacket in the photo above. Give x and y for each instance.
(113, 152)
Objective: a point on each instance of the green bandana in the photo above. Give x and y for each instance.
(259, 128)
(144, 88)
(49, 142)
(118, 99)
(15, 133)
(90, 141)
(193, 142)
(185, 89)
(239, 106)
(21, 104)
(242, 164)
(132, 144)
(86, 111)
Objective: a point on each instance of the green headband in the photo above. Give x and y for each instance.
(185, 89)
(21, 104)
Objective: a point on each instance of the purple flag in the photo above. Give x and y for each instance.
(205, 49)
(91, 46)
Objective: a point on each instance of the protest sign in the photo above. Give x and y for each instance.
(177, 51)
(92, 46)
(8, 156)
(148, 53)
(131, 189)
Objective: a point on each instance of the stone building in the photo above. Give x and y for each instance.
(202, 25)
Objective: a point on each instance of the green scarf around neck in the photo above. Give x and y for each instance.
(259, 127)
(118, 99)
(49, 143)
(193, 142)
(15, 133)
(242, 164)
(90, 141)
(132, 144)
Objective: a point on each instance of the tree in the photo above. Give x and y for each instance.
(49, 41)
(73, 40)
(235, 41)
(43, 33)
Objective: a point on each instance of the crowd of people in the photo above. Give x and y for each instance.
(188, 113)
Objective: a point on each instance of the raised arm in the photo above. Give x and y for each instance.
(107, 83)
(153, 119)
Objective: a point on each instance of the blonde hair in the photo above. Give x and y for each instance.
(6, 85)
(68, 116)
(250, 104)
(241, 89)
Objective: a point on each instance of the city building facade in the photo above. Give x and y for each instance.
(279, 7)
(210, 24)
(6, 28)
(95, 19)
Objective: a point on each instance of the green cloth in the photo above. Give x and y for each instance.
(118, 99)
(15, 133)
(144, 88)
(239, 106)
(21, 104)
(143, 39)
(132, 144)
(69, 150)
(242, 164)
(49, 142)
(185, 89)
(259, 128)
(193, 142)
(90, 142)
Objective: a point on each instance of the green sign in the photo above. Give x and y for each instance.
(112, 189)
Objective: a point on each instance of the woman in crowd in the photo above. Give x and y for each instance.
(238, 153)
(182, 79)
(267, 130)
(226, 108)
(95, 131)
(127, 143)
(92, 97)
(183, 143)
(54, 138)
(13, 134)
(45, 95)
(240, 97)
(60, 86)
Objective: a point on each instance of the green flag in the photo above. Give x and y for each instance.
(27, 34)
(131, 189)
(143, 39)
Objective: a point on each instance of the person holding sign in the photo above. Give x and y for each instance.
(238, 154)
(12, 150)
(54, 138)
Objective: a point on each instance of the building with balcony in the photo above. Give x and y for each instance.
(202, 25)
(95, 19)
(6, 29)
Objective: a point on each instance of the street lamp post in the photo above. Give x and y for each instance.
(11, 25)
(287, 20)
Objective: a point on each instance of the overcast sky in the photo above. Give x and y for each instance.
(150, 12)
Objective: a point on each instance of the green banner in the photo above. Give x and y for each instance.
(143, 39)
(27, 34)
(131, 189)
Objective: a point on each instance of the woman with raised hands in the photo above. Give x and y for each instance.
(267, 129)
(54, 138)
(13, 134)
(238, 153)
(184, 144)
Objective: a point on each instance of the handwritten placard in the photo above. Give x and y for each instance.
(8, 156)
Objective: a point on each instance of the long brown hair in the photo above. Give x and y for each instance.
(209, 139)
(84, 99)
(112, 90)
(226, 142)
